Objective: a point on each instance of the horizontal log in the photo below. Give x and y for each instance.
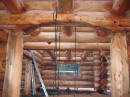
(100, 5)
(65, 58)
(82, 63)
(62, 53)
(78, 5)
(67, 86)
(82, 68)
(81, 37)
(87, 19)
(78, 29)
(49, 72)
(65, 46)
(65, 78)
(64, 83)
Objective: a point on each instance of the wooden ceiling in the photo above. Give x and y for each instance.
(94, 21)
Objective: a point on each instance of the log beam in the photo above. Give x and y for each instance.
(119, 65)
(13, 71)
(66, 6)
(15, 6)
(82, 5)
(120, 6)
(65, 46)
(27, 83)
(78, 19)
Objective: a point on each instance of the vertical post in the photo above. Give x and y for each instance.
(12, 79)
(28, 78)
(119, 65)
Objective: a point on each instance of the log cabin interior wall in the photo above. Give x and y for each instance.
(96, 23)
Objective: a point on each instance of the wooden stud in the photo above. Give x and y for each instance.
(13, 71)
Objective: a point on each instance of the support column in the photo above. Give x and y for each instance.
(119, 65)
(28, 78)
(12, 79)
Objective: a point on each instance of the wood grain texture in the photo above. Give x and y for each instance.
(13, 71)
(120, 6)
(119, 65)
(82, 19)
(15, 6)
(28, 78)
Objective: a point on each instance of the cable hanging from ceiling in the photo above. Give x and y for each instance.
(55, 48)
(56, 77)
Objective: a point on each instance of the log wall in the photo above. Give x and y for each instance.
(89, 72)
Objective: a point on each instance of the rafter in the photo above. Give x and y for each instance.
(120, 6)
(66, 6)
(15, 6)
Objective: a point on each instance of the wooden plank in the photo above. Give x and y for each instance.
(81, 19)
(65, 46)
(15, 6)
(120, 6)
(28, 78)
(119, 65)
(13, 71)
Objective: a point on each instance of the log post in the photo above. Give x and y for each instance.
(28, 74)
(12, 79)
(119, 65)
(96, 61)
